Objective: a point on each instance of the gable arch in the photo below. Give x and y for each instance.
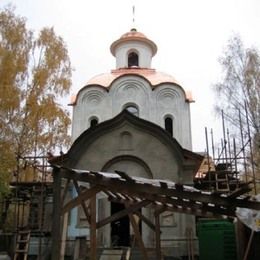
(131, 165)
(92, 96)
(131, 89)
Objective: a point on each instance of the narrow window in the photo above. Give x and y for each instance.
(168, 125)
(93, 122)
(133, 60)
(132, 109)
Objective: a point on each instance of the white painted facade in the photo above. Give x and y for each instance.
(127, 147)
(143, 51)
(154, 102)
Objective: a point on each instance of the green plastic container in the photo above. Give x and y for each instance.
(217, 240)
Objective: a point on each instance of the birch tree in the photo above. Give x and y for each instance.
(239, 91)
(35, 73)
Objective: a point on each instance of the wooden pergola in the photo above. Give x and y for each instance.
(135, 193)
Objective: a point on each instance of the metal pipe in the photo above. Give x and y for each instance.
(242, 142)
(251, 149)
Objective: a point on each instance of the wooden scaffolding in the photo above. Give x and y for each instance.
(135, 193)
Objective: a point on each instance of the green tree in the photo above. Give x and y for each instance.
(239, 90)
(35, 73)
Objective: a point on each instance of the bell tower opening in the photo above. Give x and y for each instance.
(133, 60)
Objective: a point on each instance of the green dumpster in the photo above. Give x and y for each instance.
(217, 240)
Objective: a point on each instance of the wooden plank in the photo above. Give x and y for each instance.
(139, 190)
(125, 176)
(199, 213)
(239, 191)
(249, 244)
(56, 223)
(64, 235)
(111, 254)
(129, 209)
(83, 204)
(157, 236)
(195, 206)
(138, 236)
(84, 195)
(93, 229)
(145, 220)
(65, 191)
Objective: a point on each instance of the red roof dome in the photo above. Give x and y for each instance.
(133, 35)
(154, 77)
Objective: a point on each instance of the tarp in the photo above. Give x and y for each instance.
(251, 218)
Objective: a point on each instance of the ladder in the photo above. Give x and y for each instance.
(37, 209)
(22, 245)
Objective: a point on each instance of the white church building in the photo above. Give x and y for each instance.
(135, 85)
(136, 120)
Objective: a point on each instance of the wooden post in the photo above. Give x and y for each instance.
(93, 229)
(56, 223)
(64, 235)
(249, 245)
(157, 236)
(138, 236)
(241, 240)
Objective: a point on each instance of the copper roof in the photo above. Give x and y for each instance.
(133, 35)
(155, 78)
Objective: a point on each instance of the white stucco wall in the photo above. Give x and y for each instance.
(143, 50)
(153, 105)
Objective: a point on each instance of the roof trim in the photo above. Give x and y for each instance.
(89, 135)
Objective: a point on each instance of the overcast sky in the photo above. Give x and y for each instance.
(190, 35)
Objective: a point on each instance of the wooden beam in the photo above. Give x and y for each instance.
(249, 244)
(138, 236)
(128, 210)
(93, 229)
(157, 236)
(125, 176)
(200, 213)
(193, 205)
(65, 191)
(84, 195)
(83, 204)
(137, 212)
(145, 220)
(244, 189)
(64, 235)
(56, 223)
(138, 189)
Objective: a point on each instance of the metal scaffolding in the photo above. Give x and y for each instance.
(231, 165)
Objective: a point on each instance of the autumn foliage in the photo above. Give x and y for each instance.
(35, 73)
(239, 92)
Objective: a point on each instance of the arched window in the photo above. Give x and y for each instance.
(132, 109)
(168, 123)
(133, 60)
(93, 121)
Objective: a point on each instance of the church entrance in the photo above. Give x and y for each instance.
(120, 229)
